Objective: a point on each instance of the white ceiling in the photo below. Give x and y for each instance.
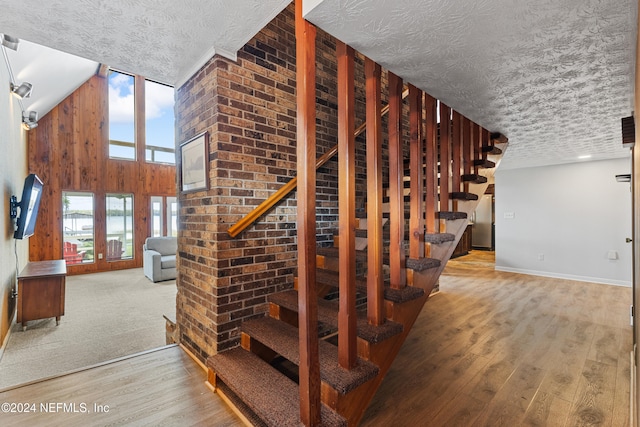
(555, 76)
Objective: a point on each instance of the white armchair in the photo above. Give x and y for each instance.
(159, 258)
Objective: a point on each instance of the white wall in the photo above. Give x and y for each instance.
(13, 170)
(571, 216)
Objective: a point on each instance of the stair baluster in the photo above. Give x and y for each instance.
(375, 283)
(309, 370)
(445, 163)
(431, 165)
(416, 162)
(455, 155)
(347, 344)
(396, 185)
(466, 149)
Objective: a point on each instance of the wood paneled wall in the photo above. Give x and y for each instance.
(69, 150)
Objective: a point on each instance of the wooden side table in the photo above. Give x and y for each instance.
(41, 288)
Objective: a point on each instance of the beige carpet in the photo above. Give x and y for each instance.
(107, 315)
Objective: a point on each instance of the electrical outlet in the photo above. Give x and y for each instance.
(540, 257)
(509, 215)
(99, 256)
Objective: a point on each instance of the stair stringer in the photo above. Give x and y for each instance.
(353, 405)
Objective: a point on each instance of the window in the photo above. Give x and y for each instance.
(121, 116)
(78, 225)
(172, 214)
(156, 216)
(119, 226)
(160, 215)
(159, 121)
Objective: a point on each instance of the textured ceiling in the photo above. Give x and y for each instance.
(163, 40)
(555, 76)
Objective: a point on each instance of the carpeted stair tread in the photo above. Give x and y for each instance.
(498, 138)
(269, 394)
(491, 149)
(283, 339)
(421, 264)
(328, 313)
(361, 232)
(240, 405)
(461, 195)
(408, 293)
(439, 238)
(406, 198)
(451, 215)
(474, 178)
(483, 163)
(333, 252)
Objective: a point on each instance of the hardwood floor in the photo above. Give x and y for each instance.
(160, 388)
(491, 349)
(502, 349)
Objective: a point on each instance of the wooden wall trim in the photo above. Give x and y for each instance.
(69, 151)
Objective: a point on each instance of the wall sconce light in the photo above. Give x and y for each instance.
(10, 42)
(29, 120)
(22, 91)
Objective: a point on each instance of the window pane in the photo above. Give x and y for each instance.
(172, 214)
(77, 223)
(119, 226)
(159, 121)
(156, 216)
(121, 116)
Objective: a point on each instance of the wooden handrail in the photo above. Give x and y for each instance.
(263, 207)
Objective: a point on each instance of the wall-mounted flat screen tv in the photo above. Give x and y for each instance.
(31, 194)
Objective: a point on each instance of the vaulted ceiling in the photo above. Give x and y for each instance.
(555, 76)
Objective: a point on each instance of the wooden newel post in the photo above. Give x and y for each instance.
(309, 370)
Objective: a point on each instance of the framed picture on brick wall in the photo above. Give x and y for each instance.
(194, 163)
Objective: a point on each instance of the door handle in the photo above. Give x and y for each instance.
(628, 240)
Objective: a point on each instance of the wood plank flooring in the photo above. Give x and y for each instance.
(160, 388)
(491, 349)
(502, 349)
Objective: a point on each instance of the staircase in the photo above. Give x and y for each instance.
(322, 352)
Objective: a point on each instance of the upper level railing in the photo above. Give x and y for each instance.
(150, 149)
(276, 197)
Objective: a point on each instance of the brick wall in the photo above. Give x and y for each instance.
(248, 107)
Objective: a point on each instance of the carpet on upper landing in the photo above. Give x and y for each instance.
(107, 316)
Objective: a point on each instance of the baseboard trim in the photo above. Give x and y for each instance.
(599, 280)
(5, 341)
(195, 359)
(633, 421)
(230, 404)
(216, 390)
